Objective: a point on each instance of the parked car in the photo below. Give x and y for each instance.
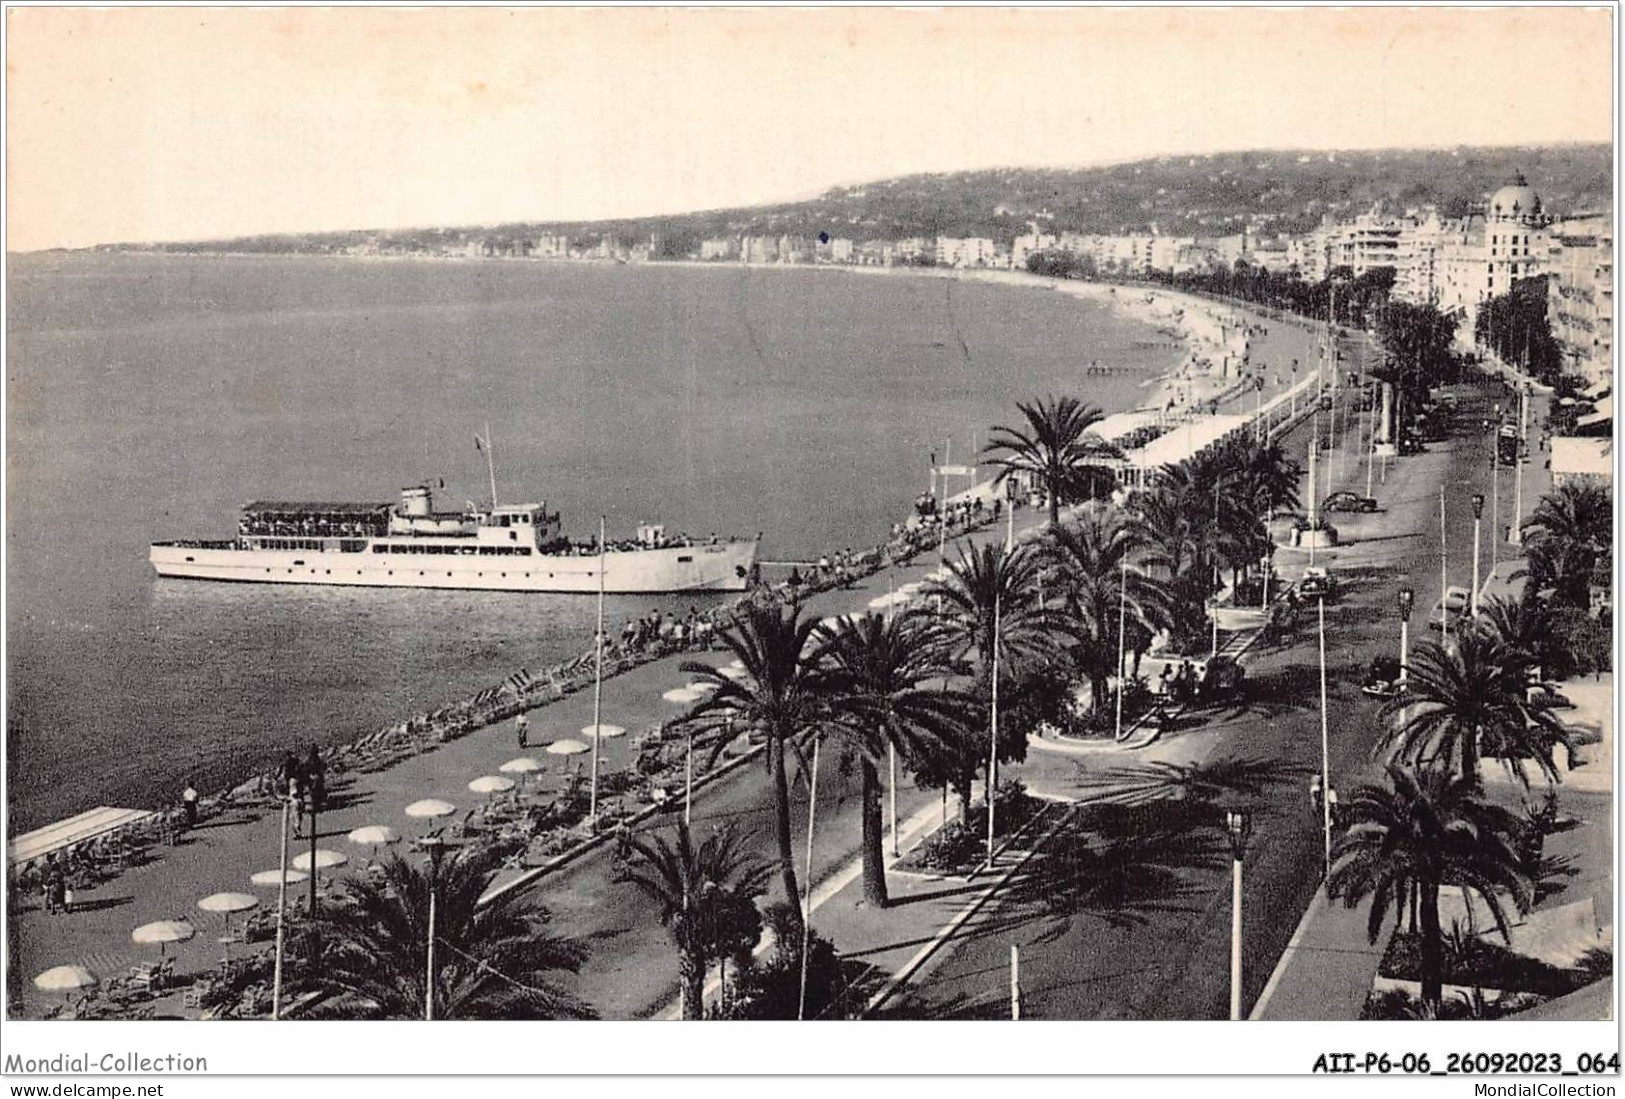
(1349, 501)
(1382, 678)
(1219, 677)
(1317, 583)
(1450, 609)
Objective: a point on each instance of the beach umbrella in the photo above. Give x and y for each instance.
(66, 979)
(275, 877)
(524, 767)
(566, 748)
(683, 696)
(226, 904)
(491, 784)
(374, 835)
(703, 686)
(733, 671)
(163, 932)
(429, 808)
(229, 902)
(607, 732)
(322, 859)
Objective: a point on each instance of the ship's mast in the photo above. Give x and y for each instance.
(491, 465)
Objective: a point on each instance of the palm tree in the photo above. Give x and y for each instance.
(1569, 530)
(1468, 701)
(989, 593)
(783, 694)
(1056, 449)
(1520, 624)
(1100, 586)
(701, 892)
(1175, 540)
(492, 961)
(1266, 480)
(1424, 830)
(880, 669)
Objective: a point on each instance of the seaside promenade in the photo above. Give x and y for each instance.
(631, 971)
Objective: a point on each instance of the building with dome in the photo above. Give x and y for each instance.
(1484, 254)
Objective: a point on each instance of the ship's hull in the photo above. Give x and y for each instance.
(724, 567)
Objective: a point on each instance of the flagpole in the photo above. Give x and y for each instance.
(490, 465)
(597, 686)
(993, 734)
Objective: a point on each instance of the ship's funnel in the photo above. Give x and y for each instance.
(416, 502)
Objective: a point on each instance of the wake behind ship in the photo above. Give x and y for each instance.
(514, 547)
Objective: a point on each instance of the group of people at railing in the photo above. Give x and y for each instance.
(650, 638)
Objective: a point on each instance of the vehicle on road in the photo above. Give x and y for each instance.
(1382, 678)
(1450, 609)
(1506, 445)
(1349, 501)
(1317, 583)
(1219, 677)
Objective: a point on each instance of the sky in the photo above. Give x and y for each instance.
(173, 124)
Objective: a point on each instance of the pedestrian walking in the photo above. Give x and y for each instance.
(521, 728)
(293, 785)
(189, 804)
(56, 891)
(316, 779)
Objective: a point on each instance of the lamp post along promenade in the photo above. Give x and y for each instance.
(1238, 825)
(1478, 516)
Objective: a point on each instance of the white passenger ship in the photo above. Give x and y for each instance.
(515, 547)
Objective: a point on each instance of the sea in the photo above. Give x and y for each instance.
(151, 396)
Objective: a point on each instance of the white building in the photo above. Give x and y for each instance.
(964, 252)
(1580, 302)
(1483, 255)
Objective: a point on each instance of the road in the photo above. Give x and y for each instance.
(1158, 948)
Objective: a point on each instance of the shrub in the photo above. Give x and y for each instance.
(951, 848)
(770, 987)
(1477, 962)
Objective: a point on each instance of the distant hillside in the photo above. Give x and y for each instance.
(1266, 192)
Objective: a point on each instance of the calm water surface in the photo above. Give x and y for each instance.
(150, 397)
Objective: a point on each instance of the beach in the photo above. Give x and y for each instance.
(707, 399)
(440, 766)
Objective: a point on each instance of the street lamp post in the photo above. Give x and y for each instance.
(1239, 824)
(1478, 515)
(282, 903)
(1515, 529)
(1325, 739)
(436, 846)
(1444, 572)
(1407, 599)
(1495, 494)
(1122, 630)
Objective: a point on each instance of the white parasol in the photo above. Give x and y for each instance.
(323, 859)
(275, 877)
(66, 978)
(162, 933)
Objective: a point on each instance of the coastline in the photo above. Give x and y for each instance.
(410, 759)
(474, 711)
